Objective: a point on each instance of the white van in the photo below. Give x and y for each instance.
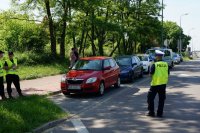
(168, 57)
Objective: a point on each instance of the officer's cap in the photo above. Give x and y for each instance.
(1, 52)
(159, 53)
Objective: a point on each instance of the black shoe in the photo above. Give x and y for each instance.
(3, 98)
(159, 115)
(11, 97)
(150, 114)
(21, 95)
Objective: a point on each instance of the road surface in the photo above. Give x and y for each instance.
(122, 110)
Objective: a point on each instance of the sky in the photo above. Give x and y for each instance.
(174, 10)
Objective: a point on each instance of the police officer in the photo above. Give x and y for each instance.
(2, 76)
(159, 72)
(12, 75)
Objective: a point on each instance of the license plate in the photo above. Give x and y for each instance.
(74, 87)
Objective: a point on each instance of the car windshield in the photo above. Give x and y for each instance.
(175, 55)
(151, 52)
(143, 58)
(88, 65)
(124, 61)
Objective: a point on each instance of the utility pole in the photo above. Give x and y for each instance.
(162, 28)
(180, 39)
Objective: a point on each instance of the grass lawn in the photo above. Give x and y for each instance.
(37, 71)
(27, 113)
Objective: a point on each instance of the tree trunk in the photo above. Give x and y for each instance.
(92, 38)
(85, 44)
(62, 44)
(51, 28)
(118, 43)
(83, 35)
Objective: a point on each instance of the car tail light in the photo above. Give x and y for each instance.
(63, 79)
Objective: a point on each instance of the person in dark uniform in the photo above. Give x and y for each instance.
(160, 74)
(76, 54)
(2, 76)
(11, 67)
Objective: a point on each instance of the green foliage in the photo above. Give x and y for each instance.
(15, 114)
(20, 34)
(93, 26)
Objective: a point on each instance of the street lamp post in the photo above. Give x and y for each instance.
(180, 39)
(162, 27)
(191, 38)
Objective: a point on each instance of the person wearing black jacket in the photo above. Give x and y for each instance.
(2, 94)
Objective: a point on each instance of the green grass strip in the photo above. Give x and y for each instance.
(27, 113)
(37, 71)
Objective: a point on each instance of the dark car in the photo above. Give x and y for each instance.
(130, 67)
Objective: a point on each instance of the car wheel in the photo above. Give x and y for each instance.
(148, 70)
(132, 77)
(141, 73)
(66, 93)
(101, 89)
(172, 65)
(117, 84)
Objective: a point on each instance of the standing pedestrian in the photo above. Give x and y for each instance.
(2, 76)
(76, 54)
(11, 67)
(160, 73)
(72, 57)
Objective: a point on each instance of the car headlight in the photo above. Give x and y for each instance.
(91, 80)
(63, 79)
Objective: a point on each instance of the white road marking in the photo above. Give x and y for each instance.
(78, 125)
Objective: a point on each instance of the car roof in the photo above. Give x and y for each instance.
(142, 55)
(95, 58)
(125, 56)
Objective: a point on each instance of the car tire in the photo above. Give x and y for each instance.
(132, 77)
(117, 84)
(148, 70)
(172, 65)
(66, 93)
(101, 89)
(141, 73)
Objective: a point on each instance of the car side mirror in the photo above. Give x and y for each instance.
(107, 68)
(134, 64)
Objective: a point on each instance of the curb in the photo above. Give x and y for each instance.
(52, 123)
(48, 125)
(54, 93)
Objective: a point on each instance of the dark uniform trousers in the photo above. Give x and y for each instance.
(12, 78)
(161, 90)
(2, 87)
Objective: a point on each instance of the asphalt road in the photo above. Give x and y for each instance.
(123, 110)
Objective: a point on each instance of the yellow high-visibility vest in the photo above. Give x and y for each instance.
(1, 68)
(160, 75)
(10, 65)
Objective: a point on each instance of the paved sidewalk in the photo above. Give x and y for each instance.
(39, 86)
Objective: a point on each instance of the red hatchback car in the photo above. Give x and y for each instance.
(91, 75)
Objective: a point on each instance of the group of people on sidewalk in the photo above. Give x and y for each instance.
(8, 69)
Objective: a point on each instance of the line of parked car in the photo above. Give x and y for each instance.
(95, 74)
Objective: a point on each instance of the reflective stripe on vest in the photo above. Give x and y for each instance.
(160, 75)
(10, 65)
(1, 69)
